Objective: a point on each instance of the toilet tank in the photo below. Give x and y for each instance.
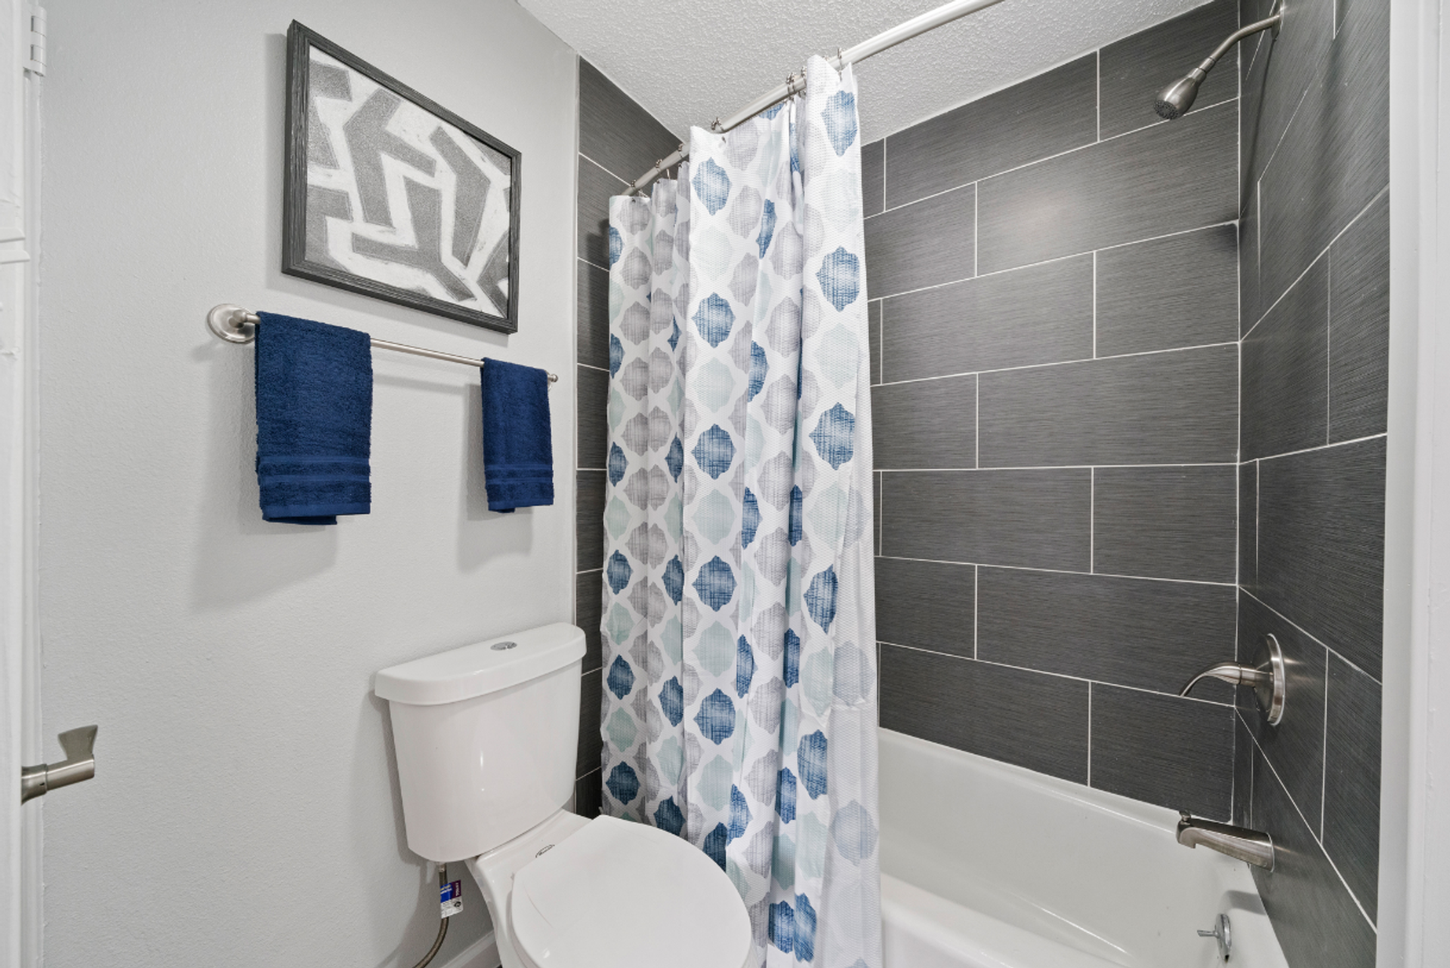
(486, 737)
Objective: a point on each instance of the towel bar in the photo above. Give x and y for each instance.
(233, 324)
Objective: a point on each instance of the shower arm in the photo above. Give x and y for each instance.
(1239, 35)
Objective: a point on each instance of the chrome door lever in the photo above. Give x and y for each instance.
(79, 764)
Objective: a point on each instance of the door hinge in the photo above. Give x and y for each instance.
(36, 62)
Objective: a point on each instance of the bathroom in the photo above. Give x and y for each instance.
(1142, 397)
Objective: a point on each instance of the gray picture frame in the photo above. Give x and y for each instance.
(338, 222)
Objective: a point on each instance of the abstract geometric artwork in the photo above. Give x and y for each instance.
(389, 194)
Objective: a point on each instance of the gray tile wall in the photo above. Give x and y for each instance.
(1054, 275)
(1314, 290)
(618, 141)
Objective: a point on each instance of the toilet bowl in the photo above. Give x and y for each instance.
(485, 737)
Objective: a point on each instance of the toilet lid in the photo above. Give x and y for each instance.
(621, 894)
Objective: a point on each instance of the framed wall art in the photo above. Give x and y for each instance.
(389, 194)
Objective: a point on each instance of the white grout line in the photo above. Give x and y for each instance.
(1256, 522)
(976, 609)
(1198, 112)
(1095, 304)
(1061, 571)
(591, 366)
(1042, 366)
(1090, 735)
(1313, 638)
(1258, 231)
(1056, 258)
(1318, 447)
(1092, 513)
(592, 265)
(1318, 842)
(977, 421)
(1043, 467)
(603, 169)
(1057, 675)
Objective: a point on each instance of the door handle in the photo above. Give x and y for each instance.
(79, 764)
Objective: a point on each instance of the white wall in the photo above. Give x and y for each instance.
(245, 806)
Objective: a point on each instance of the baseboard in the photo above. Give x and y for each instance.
(483, 953)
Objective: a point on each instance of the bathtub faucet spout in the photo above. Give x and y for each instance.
(1251, 846)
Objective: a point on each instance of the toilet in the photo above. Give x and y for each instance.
(486, 737)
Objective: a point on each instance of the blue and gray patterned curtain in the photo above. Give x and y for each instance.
(739, 609)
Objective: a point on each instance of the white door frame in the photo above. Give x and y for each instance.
(1414, 894)
(20, 884)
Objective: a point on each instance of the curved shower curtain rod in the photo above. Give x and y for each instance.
(796, 83)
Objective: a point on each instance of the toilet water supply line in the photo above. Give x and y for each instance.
(442, 920)
(795, 83)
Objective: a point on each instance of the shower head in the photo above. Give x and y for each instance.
(1175, 99)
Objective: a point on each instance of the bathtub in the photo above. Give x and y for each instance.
(985, 865)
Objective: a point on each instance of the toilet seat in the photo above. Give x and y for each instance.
(616, 894)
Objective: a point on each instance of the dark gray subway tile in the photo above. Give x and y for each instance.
(1031, 519)
(593, 419)
(1321, 545)
(873, 323)
(1334, 157)
(1243, 775)
(588, 608)
(591, 740)
(1025, 718)
(1126, 631)
(1162, 408)
(926, 424)
(591, 314)
(588, 792)
(1296, 746)
(1314, 917)
(873, 171)
(877, 523)
(1166, 522)
(595, 188)
(923, 244)
(1248, 524)
(1250, 307)
(1169, 293)
(1041, 116)
(1165, 179)
(1285, 370)
(614, 130)
(1041, 314)
(1174, 752)
(1359, 326)
(1136, 68)
(1282, 69)
(589, 520)
(926, 604)
(1352, 780)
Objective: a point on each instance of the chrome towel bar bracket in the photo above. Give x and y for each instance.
(1266, 677)
(235, 325)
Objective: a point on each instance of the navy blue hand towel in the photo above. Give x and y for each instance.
(314, 420)
(518, 446)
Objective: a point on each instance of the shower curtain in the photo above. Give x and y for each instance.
(739, 608)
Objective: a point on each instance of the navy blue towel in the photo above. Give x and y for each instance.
(518, 446)
(314, 420)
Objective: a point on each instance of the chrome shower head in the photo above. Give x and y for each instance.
(1175, 99)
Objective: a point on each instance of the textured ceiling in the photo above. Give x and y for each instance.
(690, 62)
